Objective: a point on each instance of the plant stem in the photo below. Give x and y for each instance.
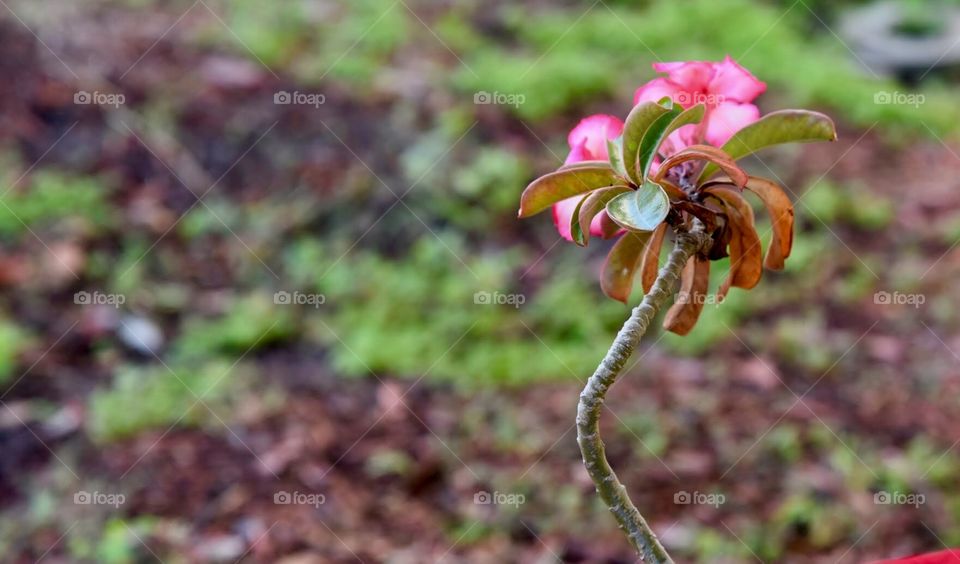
(613, 493)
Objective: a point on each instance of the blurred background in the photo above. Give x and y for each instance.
(265, 297)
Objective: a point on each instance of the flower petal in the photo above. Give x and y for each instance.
(563, 214)
(656, 89)
(578, 153)
(733, 83)
(588, 140)
(728, 118)
(679, 140)
(692, 76)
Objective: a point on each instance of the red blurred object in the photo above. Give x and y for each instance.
(942, 557)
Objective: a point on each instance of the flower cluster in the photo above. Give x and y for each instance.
(672, 162)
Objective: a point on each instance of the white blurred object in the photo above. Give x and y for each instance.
(877, 33)
(140, 334)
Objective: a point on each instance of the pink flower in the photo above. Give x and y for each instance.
(942, 557)
(588, 142)
(725, 88)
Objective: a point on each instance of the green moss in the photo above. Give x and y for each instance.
(141, 398)
(405, 317)
(853, 204)
(13, 339)
(55, 199)
(252, 321)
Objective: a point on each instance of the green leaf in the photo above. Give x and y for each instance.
(775, 128)
(579, 236)
(584, 164)
(640, 210)
(592, 204)
(664, 126)
(634, 128)
(562, 184)
(615, 150)
(621, 265)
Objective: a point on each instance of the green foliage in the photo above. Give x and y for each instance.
(252, 321)
(853, 204)
(13, 338)
(54, 198)
(121, 541)
(777, 128)
(486, 185)
(710, 545)
(822, 523)
(548, 84)
(404, 317)
(554, 62)
(640, 210)
(155, 397)
(348, 41)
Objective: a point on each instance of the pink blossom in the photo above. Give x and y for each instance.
(725, 88)
(942, 557)
(588, 142)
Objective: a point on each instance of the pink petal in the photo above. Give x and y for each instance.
(728, 118)
(734, 83)
(693, 76)
(942, 557)
(578, 153)
(588, 140)
(679, 139)
(563, 213)
(656, 89)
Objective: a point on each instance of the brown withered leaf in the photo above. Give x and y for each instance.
(651, 258)
(621, 265)
(694, 282)
(780, 209)
(672, 190)
(746, 258)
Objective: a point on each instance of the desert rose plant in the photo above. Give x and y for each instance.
(671, 165)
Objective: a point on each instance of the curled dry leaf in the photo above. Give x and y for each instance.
(651, 258)
(780, 209)
(746, 260)
(621, 265)
(705, 153)
(694, 282)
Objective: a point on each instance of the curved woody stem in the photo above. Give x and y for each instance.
(613, 493)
